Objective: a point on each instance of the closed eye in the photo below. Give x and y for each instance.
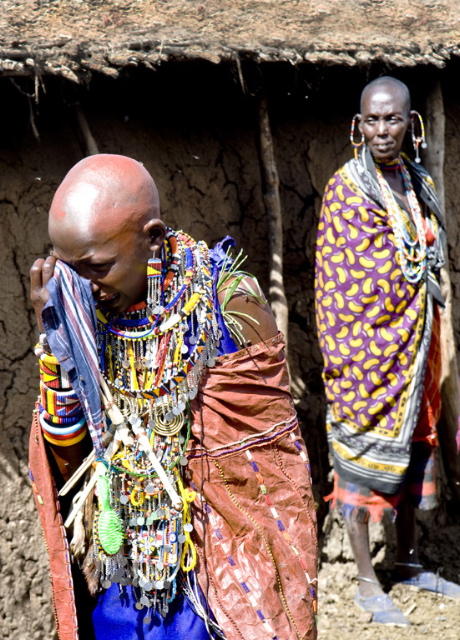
(99, 269)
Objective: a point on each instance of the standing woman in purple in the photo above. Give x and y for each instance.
(380, 248)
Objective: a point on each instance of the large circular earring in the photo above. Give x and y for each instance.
(354, 143)
(417, 134)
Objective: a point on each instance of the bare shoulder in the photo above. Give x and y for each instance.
(246, 312)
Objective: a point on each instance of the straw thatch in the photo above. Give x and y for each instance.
(73, 38)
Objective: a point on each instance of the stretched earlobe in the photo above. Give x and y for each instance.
(417, 129)
(356, 123)
(156, 231)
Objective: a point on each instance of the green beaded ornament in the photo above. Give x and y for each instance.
(109, 526)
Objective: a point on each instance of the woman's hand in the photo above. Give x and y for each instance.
(40, 273)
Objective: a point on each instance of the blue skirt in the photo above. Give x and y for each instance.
(115, 618)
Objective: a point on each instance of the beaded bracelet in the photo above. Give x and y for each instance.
(60, 405)
(51, 372)
(61, 414)
(67, 419)
(62, 433)
(65, 442)
(71, 430)
(63, 436)
(63, 397)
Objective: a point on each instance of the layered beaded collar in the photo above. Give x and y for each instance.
(159, 356)
(152, 359)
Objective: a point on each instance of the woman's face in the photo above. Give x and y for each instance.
(116, 266)
(384, 120)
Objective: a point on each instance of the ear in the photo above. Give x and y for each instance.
(156, 231)
(359, 120)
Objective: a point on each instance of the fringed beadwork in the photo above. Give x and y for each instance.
(153, 359)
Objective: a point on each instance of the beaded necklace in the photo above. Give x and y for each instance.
(410, 233)
(153, 363)
(390, 165)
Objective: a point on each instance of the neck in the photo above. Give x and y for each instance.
(390, 165)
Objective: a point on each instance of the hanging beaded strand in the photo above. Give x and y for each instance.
(154, 285)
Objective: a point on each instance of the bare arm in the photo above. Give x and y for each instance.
(249, 308)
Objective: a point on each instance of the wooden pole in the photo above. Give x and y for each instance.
(88, 138)
(272, 202)
(450, 392)
(435, 134)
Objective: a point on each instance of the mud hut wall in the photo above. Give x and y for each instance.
(204, 157)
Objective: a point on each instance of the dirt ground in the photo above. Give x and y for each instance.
(430, 615)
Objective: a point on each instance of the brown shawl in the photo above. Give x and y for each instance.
(255, 519)
(254, 515)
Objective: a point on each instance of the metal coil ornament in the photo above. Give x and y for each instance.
(168, 425)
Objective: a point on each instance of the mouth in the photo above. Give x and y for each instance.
(384, 151)
(108, 300)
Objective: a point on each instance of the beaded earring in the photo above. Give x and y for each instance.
(154, 266)
(356, 145)
(418, 138)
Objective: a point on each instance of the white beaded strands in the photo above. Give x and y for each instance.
(411, 249)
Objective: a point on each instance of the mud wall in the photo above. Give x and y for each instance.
(195, 130)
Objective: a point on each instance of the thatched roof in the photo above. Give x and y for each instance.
(75, 37)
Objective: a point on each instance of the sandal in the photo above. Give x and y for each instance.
(429, 581)
(382, 607)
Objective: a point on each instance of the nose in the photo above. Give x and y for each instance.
(382, 128)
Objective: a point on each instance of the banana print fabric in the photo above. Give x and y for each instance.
(374, 327)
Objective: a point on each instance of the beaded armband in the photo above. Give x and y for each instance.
(61, 415)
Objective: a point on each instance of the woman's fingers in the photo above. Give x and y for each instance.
(48, 269)
(40, 273)
(36, 282)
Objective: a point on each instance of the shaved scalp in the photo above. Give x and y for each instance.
(387, 83)
(103, 192)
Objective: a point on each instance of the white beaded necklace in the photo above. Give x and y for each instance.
(411, 251)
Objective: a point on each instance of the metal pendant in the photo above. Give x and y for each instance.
(168, 424)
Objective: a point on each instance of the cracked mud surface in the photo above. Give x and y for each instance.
(206, 166)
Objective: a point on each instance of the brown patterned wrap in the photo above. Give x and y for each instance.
(254, 515)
